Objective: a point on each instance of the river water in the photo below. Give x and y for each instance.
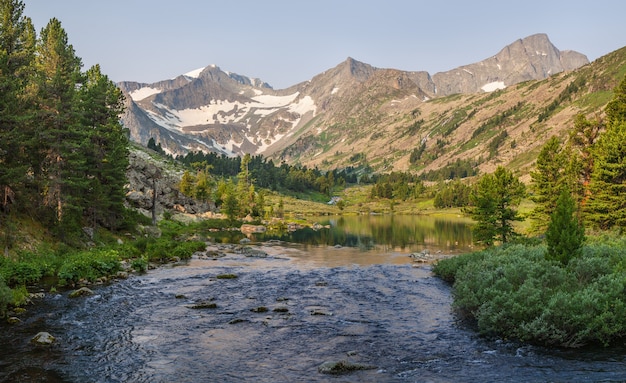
(323, 303)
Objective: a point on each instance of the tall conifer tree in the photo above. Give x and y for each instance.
(606, 205)
(59, 137)
(17, 46)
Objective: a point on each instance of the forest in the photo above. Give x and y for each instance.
(63, 151)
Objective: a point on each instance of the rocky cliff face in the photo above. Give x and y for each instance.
(213, 110)
(146, 174)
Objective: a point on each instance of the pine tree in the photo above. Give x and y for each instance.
(565, 234)
(606, 205)
(105, 147)
(556, 168)
(494, 200)
(57, 167)
(17, 47)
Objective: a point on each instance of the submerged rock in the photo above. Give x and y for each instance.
(83, 291)
(43, 338)
(342, 367)
(204, 305)
(14, 320)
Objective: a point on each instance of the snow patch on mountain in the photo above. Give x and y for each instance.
(490, 87)
(144, 92)
(194, 73)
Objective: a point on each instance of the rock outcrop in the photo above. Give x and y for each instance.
(146, 174)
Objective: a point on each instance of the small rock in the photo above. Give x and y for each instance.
(14, 320)
(244, 240)
(122, 275)
(43, 338)
(83, 291)
(260, 309)
(281, 310)
(237, 320)
(180, 296)
(205, 305)
(342, 367)
(37, 295)
(319, 312)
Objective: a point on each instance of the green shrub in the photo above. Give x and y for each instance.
(89, 265)
(6, 297)
(20, 273)
(140, 264)
(19, 296)
(184, 250)
(515, 292)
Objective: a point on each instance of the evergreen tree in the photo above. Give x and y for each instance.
(104, 144)
(231, 206)
(565, 234)
(17, 46)
(606, 203)
(187, 183)
(556, 168)
(57, 167)
(494, 200)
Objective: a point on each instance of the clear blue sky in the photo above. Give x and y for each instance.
(284, 42)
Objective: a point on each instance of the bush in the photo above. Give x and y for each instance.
(163, 249)
(20, 273)
(515, 292)
(89, 265)
(6, 297)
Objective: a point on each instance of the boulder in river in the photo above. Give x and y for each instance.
(342, 367)
(43, 338)
(83, 291)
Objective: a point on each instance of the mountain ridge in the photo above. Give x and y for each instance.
(315, 122)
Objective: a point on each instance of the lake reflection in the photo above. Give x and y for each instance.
(386, 233)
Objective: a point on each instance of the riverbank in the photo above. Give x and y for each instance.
(278, 318)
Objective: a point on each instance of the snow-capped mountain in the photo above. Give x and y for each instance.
(213, 110)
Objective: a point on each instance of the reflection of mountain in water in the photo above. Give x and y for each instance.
(404, 233)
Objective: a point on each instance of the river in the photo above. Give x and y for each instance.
(282, 317)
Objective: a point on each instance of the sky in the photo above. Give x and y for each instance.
(285, 42)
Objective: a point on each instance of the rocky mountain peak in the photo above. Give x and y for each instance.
(214, 110)
(530, 58)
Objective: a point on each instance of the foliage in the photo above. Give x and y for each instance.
(493, 203)
(458, 169)
(164, 249)
(452, 194)
(397, 185)
(557, 168)
(497, 120)
(89, 265)
(565, 234)
(6, 297)
(496, 142)
(606, 205)
(564, 96)
(515, 292)
(62, 148)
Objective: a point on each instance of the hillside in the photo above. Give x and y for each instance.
(384, 132)
(497, 111)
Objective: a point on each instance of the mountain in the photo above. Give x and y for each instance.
(356, 113)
